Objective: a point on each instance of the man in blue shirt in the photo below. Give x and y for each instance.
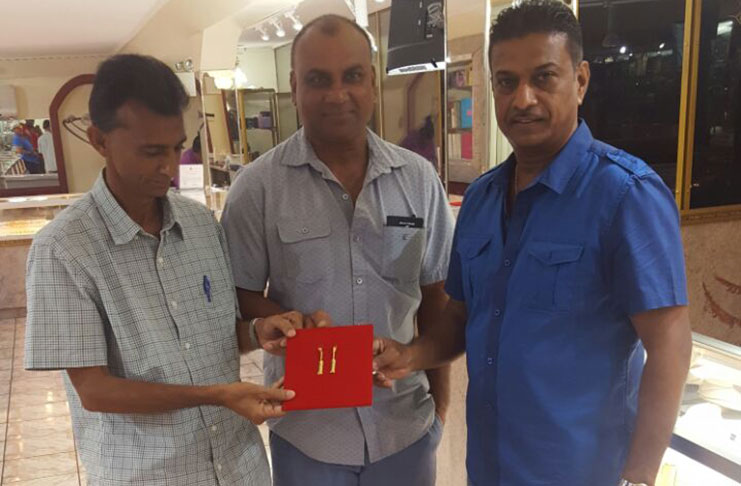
(24, 148)
(566, 263)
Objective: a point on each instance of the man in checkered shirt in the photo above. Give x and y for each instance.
(130, 291)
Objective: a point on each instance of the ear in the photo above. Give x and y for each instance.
(293, 87)
(583, 74)
(374, 77)
(97, 139)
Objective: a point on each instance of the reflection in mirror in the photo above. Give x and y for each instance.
(27, 158)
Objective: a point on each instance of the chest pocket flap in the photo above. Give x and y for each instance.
(555, 253)
(293, 231)
(471, 247)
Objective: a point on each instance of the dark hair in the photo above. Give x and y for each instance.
(46, 124)
(538, 17)
(329, 25)
(196, 144)
(127, 77)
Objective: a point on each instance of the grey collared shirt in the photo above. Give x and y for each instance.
(102, 292)
(290, 222)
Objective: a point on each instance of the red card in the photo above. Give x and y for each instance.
(330, 367)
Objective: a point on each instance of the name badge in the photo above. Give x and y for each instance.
(405, 221)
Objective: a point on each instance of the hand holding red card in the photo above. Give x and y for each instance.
(330, 367)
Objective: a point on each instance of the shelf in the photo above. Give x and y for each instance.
(460, 88)
(460, 130)
(258, 128)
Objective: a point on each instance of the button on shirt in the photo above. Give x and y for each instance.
(554, 362)
(288, 220)
(102, 292)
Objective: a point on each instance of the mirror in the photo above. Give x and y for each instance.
(27, 156)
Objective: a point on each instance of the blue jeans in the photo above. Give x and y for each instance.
(414, 466)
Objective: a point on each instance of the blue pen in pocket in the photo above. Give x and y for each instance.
(207, 287)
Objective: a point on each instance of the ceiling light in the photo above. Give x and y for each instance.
(623, 50)
(263, 33)
(295, 22)
(662, 45)
(278, 28)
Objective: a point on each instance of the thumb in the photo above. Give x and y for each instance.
(277, 394)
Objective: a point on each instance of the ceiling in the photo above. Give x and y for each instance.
(462, 16)
(71, 27)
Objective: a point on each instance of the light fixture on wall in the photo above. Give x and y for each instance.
(295, 22)
(184, 66)
(278, 28)
(263, 33)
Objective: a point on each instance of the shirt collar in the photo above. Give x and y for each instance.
(381, 160)
(560, 171)
(122, 228)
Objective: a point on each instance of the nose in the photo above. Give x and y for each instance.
(525, 97)
(337, 94)
(169, 164)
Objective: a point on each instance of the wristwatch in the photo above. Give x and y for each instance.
(625, 482)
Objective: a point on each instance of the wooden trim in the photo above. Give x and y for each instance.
(688, 103)
(56, 126)
(711, 215)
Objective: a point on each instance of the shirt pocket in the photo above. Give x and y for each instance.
(306, 248)
(403, 250)
(553, 268)
(470, 250)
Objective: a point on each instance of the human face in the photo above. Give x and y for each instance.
(142, 152)
(333, 85)
(537, 91)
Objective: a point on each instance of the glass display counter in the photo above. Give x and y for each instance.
(22, 217)
(706, 445)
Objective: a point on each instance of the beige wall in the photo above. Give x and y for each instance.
(37, 81)
(283, 68)
(713, 256)
(259, 66)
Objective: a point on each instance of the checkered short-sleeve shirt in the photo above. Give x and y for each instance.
(102, 292)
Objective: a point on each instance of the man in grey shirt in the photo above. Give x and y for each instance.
(130, 291)
(337, 219)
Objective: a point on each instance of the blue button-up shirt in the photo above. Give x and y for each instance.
(554, 362)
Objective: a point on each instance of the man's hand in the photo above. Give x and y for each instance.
(392, 361)
(273, 331)
(254, 402)
(317, 319)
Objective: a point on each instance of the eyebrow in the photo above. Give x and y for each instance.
(163, 146)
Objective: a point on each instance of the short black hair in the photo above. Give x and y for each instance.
(46, 124)
(196, 144)
(329, 25)
(538, 17)
(126, 77)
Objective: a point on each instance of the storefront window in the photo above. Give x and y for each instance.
(716, 168)
(635, 52)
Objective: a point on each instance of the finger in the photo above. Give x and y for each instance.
(378, 346)
(284, 326)
(272, 410)
(295, 318)
(381, 381)
(278, 383)
(385, 360)
(321, 319)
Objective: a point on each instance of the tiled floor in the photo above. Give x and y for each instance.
(36, 443)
